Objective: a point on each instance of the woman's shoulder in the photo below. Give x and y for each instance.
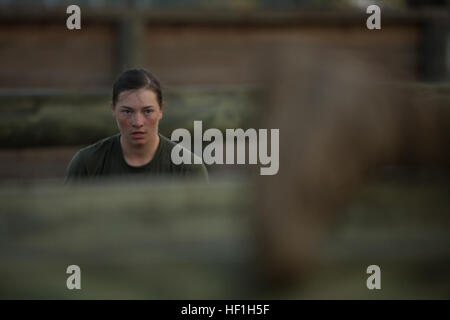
(193, 168)
(168, 145)
(95, 154)
(166, 142)
(87, 160)
(100, 147)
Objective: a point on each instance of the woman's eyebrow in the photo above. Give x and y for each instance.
(144, 107)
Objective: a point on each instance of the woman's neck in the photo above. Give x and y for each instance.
(140, 155)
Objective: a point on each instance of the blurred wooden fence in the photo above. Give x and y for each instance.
(156, 241)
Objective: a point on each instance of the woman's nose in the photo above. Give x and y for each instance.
(137, 121)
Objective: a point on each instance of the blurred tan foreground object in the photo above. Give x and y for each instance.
(342, 120)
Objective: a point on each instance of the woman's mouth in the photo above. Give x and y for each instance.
(138, 135)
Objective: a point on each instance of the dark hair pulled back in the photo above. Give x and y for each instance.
(134, 79)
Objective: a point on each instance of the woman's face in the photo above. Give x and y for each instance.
(137, 113)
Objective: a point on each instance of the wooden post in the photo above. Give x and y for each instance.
(131, 46)
(433, 51)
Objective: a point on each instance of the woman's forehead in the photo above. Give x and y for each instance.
(137, 98)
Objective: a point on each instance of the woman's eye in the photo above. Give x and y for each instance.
(126, 111)
(148, 111)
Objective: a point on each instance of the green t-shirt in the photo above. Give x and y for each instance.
(105, 158)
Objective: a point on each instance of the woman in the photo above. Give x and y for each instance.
(137, 105)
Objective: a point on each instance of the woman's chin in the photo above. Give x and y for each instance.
(137, 142)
